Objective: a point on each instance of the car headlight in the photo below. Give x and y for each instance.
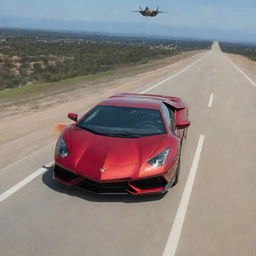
(62, 148)
(160, 159)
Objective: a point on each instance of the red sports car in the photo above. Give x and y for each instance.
(128, 143)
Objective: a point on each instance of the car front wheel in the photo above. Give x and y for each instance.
(177, 174)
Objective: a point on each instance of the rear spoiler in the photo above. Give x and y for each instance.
(175, 102)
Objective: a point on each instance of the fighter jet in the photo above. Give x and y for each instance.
(149, 13)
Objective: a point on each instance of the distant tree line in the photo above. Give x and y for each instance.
(34, 56)
(248, 50)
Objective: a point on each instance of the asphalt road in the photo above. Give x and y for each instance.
(210, 212)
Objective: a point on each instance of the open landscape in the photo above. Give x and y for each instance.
(29, 57)
(60, 65)
(31, 139)
(127, 128)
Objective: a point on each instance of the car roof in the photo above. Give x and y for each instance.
(150, 101)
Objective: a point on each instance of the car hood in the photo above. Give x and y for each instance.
(122, 158)
(112, 150)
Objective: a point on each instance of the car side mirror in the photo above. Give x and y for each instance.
(72, 116)
(183, 124)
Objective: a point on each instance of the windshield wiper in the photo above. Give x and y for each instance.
(121, 135)
(89, 130)
(124, 135)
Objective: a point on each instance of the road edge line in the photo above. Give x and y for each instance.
(210, 100)
(174, 235)
(174, 75)
(23, 183)
(247, 77)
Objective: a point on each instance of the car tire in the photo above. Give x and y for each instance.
(163, 194)
(177, 174)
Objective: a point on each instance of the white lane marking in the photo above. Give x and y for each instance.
(174, 75)
(247, 77)
(210, 101)
(174, 236)
(23, 183)
(215, 70)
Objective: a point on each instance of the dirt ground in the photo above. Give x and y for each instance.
(245, 64)
(27, 127)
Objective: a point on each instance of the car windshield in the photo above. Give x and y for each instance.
(123, 122)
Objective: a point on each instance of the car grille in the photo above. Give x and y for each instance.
(64, 174)
(104, 188)
(150, 183)
(90, 185)
(121, 187)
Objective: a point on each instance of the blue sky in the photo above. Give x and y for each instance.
(233, 15)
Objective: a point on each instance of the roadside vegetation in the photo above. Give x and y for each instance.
(35, 57)
(247, 50)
